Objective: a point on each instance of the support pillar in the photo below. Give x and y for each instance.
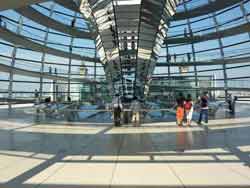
(44, 55)
(13, 61)
(193, 52)
(169, 72)
(224, 66)
(95, 72)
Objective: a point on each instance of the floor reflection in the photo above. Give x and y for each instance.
(40, 148)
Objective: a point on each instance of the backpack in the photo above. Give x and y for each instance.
(188, 105)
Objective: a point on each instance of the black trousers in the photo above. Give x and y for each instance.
(117, 116)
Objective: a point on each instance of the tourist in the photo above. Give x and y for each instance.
(36, 93)
(189, 108)
(229, 101)
(47, 100)
(135, 107)
(179, 114)
(117, 109)
(69, 99)
(233, 105)
(73, 23)
(169, 58)
(50, 70)
(203, 108)
(180, 109)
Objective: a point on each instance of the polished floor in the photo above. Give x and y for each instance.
(99, 155)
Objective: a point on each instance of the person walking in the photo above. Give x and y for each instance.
(203, 108)
(117, 109)
(189, 108)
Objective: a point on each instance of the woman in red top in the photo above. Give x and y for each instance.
(188, 106)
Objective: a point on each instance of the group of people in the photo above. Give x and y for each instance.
(118, 108)
(185, 109)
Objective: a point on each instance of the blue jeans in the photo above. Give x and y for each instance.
(205, 113)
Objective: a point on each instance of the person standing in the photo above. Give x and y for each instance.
(117, 109)
(189, 108)
(233, 105)
(135, 107)
(203, 108)
(69, 99)
(230, 102)
(36, 93)
(180, 109)
(180, 114)
(73, 22)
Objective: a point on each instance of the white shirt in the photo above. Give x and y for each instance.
(116, 102)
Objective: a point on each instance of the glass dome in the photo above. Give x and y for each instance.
(124, 93)
(54, 48)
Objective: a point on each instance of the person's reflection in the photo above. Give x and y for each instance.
(184, 139)
(190, 139)
(116, 141)
(70, 139)
(12, 145)
(43, 139)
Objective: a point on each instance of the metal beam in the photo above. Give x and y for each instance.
(14, 4)
(211, 36)
(23, 72)
(40, 18)
(206, 63)
(205, 9)
(22, 41)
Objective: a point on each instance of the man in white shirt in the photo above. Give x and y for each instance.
(136, 107)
